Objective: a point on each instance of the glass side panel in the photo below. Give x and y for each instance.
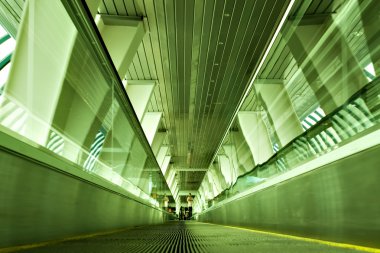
(361, 113)
(7, 46)
(3, 32)
(60, 96)
(332, 63)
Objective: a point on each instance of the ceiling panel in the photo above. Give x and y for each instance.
(226, 86)
(202, 54)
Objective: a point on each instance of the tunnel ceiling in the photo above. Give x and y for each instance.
(202, 53)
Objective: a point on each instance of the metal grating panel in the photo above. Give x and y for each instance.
(192, 237)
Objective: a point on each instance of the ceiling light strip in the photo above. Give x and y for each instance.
(284, 17)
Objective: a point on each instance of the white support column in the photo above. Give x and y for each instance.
(139, 92)
(216, 177)
(161, 155)
(93, 6)
(280, 108)
(158, 140)
(175, 189)
(230, 152)
(214, 184)
(169, 175)
(165, 164)
(369, 14)
(256, 135)
(150, 125)
(220, 177)
(172, 182)
(207, 189)
(322, 52)
(201, 198)
(122, 36)
(225, 169)
(39, 65)
(243, 152)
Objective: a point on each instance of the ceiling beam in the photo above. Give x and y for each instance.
(269, 81)
(191, 169)
(122, 37)
(185, 193)
(152, 169)
(311, 19)
(142, 82)
(118, 20)
(150, 122)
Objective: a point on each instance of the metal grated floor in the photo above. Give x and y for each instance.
(188, 236)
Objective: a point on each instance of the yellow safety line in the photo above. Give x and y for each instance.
(334, 244)
(73, 238)
(306, 239)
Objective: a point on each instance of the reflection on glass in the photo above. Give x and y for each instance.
(328, 65)
(7, 45)
(59, 96)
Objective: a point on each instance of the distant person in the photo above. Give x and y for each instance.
(181, 213)
(166, 202)
(190, 205)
